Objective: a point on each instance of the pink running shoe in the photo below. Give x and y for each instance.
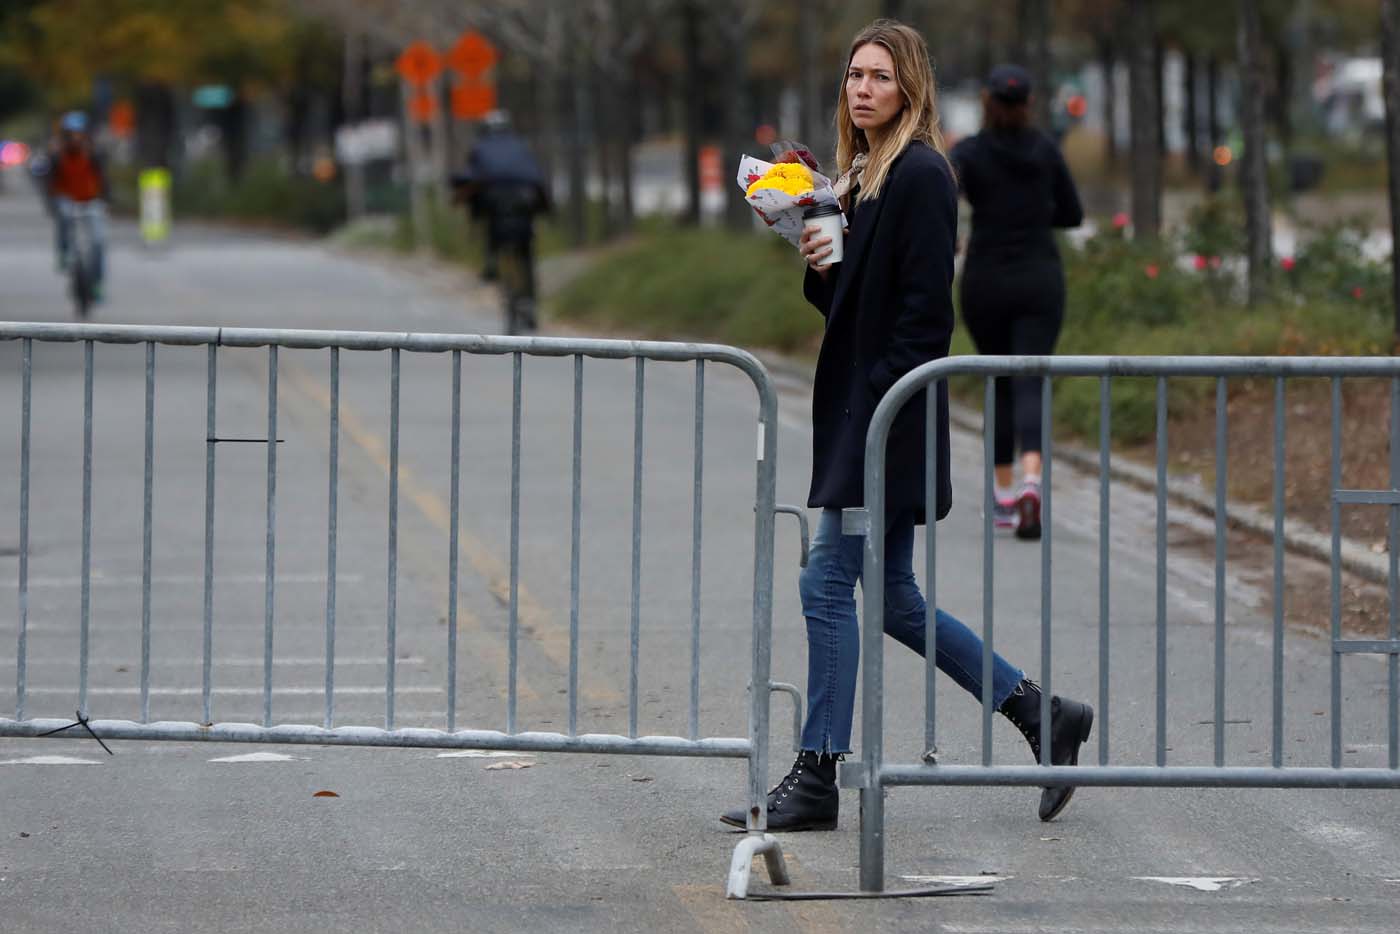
(1028, 512)
(1006, 516)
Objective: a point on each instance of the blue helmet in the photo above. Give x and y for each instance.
(74, 121)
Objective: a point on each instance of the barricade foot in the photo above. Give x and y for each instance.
(739, 868)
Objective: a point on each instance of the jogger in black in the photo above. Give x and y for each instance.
(1013, 287)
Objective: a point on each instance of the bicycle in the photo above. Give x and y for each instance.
(516, 274)
(81, 252)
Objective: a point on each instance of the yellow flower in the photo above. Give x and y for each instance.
(788, 177)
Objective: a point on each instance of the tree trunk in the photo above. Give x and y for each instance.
(1159, 71)
(233, 138)
(578, 151)
(1282, 96)
(631, 132)
(694, 107)
(1255, 177)
(813, 127)
(1143, 113)
(1108, 61)
(1390, 45)
(738, 112)
(1033, 48)
(1190, 118)
(604, 143)
(155, 124)
(1213, 103)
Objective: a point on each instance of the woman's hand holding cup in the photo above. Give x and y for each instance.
(815, 247)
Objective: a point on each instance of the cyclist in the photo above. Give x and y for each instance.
(504, 187)
(76, 180)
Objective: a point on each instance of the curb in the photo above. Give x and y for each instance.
(1298, 537)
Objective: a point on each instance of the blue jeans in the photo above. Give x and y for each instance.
(93, 216)
(828, 589)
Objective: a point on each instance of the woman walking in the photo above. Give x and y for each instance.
(1013, 285)
(888, 309)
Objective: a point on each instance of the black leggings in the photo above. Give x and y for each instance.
(1015, 310)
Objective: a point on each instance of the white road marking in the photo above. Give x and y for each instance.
(230, 662)
(98, 579)
(1200, 883)
(50, 760)
(261, 757)
(240, 692)
(484, 754)
(954, 880)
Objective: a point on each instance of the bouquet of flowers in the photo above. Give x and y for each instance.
(781, 192)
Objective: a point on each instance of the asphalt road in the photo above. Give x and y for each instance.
(167, 837)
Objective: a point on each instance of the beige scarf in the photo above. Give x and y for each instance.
(849, 179)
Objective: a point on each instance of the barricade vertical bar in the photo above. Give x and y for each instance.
(270, 574)
(391, 626)
(332, 534)
(575, 544)
(931, 568)
(1222, 456)
(146, 508)
(1046, 569)
(209, 447)
(635, 635)
(86, 610)
(25, 405)
(513, 635)
(872, 723)
(1279, 430)
(1336, 668)
(1105, 442)
(765, 494)
(1161, 571)
(989, 419)
(1393, 579)
(696, 512)
(453, 540)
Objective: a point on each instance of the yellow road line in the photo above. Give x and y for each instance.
(546, 633)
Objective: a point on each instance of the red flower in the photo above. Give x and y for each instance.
(1215, 262)
(1120, 220)
(1358, 293)
(1199, 262)
(1152, 270)
(1288, 263)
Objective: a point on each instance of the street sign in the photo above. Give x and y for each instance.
(213, 96)
(121, 119)
(473, 101)
(473, 55)
(419, 64)
(358, 143)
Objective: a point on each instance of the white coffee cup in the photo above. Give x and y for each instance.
(828, 219)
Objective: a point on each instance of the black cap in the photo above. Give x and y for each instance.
(1009, 83)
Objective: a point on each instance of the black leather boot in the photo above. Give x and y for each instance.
(806, 799)
(1070, 723)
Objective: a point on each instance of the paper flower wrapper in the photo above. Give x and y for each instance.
(781, 209)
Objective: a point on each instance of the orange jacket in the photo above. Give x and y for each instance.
(77, 176)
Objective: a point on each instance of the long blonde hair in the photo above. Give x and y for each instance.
(918, 120)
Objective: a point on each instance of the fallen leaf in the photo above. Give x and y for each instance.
(325, 794)
(1051, 839)
(23, 833)
(643, 778)
(509, 765)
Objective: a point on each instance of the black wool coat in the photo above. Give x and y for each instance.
(889, 308)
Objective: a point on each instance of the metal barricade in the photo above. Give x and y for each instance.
(874, 772)
(753, 747)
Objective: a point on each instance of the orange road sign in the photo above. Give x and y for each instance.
(419, 64)
(473, 55)
(473, 100)
(422, 107)
(121, 120)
